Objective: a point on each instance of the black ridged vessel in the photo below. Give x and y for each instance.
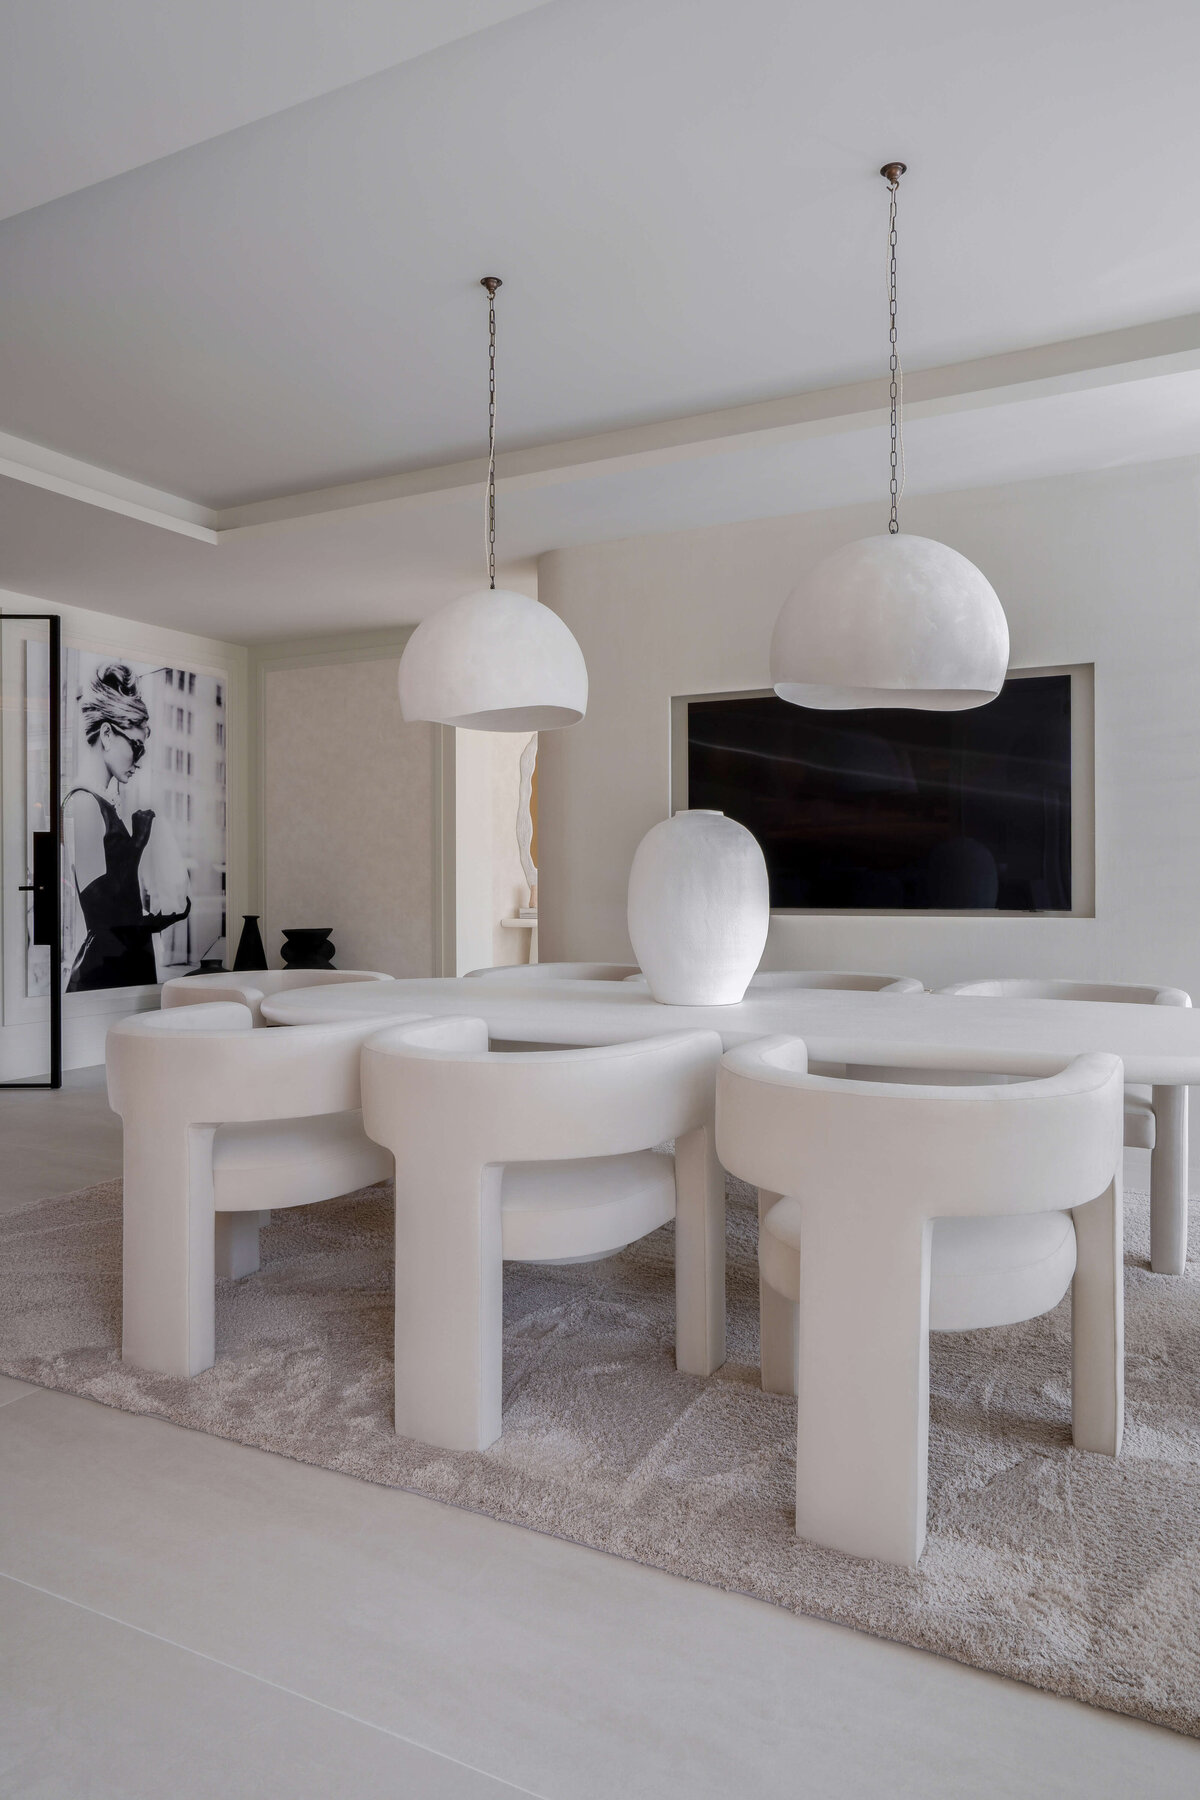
(308, 947)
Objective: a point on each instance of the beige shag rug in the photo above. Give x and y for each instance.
(1069, 1571)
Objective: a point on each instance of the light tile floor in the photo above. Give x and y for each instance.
(184, 1617)
(54, 1143)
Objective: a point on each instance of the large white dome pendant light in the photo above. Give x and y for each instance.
(896, 620)
(494, 660)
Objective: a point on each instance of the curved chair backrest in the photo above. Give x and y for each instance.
(1112, 991)
(436, 1082)
(250, 987)
(834, 978)
(205, 1064)
(556, 971)
(915, 1151)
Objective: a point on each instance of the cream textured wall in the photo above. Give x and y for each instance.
(1101, 568)
(86, 1017)
(347, 820)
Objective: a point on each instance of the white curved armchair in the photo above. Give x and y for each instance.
(1156, 1119)
(1006, 1191)
(826, 979)
(847, 979)
(556, 971)
(534, 1156)
(223, 1122)
(250, 987)
(834, 978)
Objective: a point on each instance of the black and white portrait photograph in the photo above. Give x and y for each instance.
(143, 821)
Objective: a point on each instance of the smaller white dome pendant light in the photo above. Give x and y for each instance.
(896, 620)
(494, 660)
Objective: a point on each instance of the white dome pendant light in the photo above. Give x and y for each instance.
(494, 660)
(895, 620)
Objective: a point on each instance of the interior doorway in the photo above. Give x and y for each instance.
(495, 817)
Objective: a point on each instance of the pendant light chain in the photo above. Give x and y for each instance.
(491, 283)
(893, 368)
(891, 173)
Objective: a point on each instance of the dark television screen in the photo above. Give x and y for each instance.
(898, 810)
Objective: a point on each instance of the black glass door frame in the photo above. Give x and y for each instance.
(45, 883)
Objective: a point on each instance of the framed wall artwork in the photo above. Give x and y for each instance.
(143, 811)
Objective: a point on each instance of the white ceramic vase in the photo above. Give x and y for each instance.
(699, 907)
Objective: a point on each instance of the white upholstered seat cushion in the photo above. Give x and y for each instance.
(294, 1162)
(593, 1206)
(983, 1271)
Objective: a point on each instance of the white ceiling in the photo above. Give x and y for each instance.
(682, 200)
(89, 90)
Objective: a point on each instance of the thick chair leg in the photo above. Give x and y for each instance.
(1169, 1182)
(863, 1403)
(236, 1244)
(449, 1305)
(168, 1254)
(779, 1333)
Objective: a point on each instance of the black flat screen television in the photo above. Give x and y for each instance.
(895, 810)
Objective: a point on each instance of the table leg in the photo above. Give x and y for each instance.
(699, 1253)
(1098, 1324)
(778, 1324)
(1169, 1182)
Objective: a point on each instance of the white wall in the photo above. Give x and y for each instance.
(490, 883)
(348, 825)
(1101, 568)
(401, 837)
(86, 1017)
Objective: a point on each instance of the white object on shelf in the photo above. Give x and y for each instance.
(526, 771)
(699, 908)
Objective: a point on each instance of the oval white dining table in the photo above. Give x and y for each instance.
(1157, 1044)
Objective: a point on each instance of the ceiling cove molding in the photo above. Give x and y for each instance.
(1136, 353)
(39, 467)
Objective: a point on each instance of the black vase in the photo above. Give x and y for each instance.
(251, 953)
(308, 947)
(209, 965)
